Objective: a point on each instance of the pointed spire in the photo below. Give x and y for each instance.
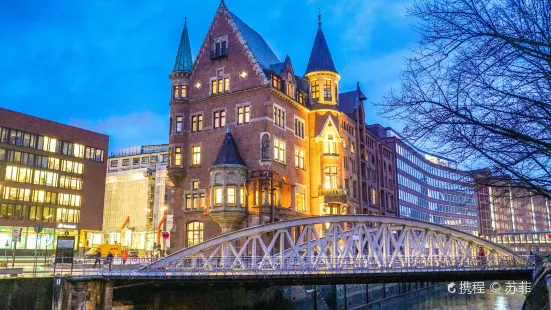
(319, 18)
(228, 153)
(320, 57)
(183, 62)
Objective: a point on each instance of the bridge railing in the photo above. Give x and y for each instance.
(225, 266)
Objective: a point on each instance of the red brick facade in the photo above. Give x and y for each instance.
(347, 177)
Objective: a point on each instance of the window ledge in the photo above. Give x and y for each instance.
(331, 154)
(280, 162)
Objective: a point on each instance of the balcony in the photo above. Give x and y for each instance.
(334, 195)
(218, 54)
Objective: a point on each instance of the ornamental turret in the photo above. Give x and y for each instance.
(228, 177)
(321, 71)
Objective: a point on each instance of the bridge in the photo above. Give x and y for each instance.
(334, 249)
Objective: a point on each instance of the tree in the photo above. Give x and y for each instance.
(478, 87)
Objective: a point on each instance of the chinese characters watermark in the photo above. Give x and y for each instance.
(472, 288)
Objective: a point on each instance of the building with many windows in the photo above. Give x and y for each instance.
(136, 196)
(431, 188)
(514, 217)
(51, 175)
(253, 141)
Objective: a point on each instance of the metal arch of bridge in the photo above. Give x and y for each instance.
(347, 241)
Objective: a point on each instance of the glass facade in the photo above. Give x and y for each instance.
(432, 192)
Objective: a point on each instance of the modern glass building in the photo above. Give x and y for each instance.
(51, 175)
(431, 188)
(136, 196)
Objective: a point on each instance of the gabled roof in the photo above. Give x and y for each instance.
(349, 101)
(183, 62)
(320, 57)
(228, 153)
(260, 49)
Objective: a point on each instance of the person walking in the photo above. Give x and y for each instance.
(98, 258)
(109, 260)
(124, 256)
(481, 256)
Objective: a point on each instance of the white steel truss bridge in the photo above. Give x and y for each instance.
(361, 248)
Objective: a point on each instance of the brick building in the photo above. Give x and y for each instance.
(51, 175)
(253, 141)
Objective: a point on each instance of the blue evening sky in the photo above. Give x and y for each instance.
(103, 65)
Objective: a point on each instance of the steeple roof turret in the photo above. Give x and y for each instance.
(183, 62)
(228, 153)
(320, 57)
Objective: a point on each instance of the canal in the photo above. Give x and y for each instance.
(414, 296)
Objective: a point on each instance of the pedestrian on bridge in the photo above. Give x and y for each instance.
(481, 256)
(109, 259)
(124, 256)
(98, 258)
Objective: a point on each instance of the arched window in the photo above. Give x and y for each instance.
(194, 232)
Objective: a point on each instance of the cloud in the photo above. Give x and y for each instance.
(140, 128)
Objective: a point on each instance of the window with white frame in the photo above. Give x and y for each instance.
(330, 145)
(179, 120)
(300, 198)
(330, 177)
(197, 123)
(299, 127)
(279, 150)
(196, 155)
(279, 117)
(220, 83)
(243, 114)
(299, 158)
(219, 119)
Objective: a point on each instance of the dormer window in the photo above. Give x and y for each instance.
(291, 86)
(301, 98)
(327, 90)
(219, 48)
(276, 82)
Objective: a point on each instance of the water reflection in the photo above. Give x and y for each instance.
(442, 300)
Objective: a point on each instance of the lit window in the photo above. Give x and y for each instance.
(315, 89)
(177, 156)
(219, 119)
(50, 145)
(194, 233)
(291, 90)
(196, 155)
(78, 150)
(243, 114)
(176, 91)
(183, 91)
(242, 196)
(327, 93)
(197, 123)
(230, 195)
(279, 150)
(330, 177)
(279, 117)
(195, 185)
(220, 84)
(53, 163)
(299, 158)
(218, 196)
(330, 145)
(300, 202)
(276, 82)
(299, 128)
(178, 124)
